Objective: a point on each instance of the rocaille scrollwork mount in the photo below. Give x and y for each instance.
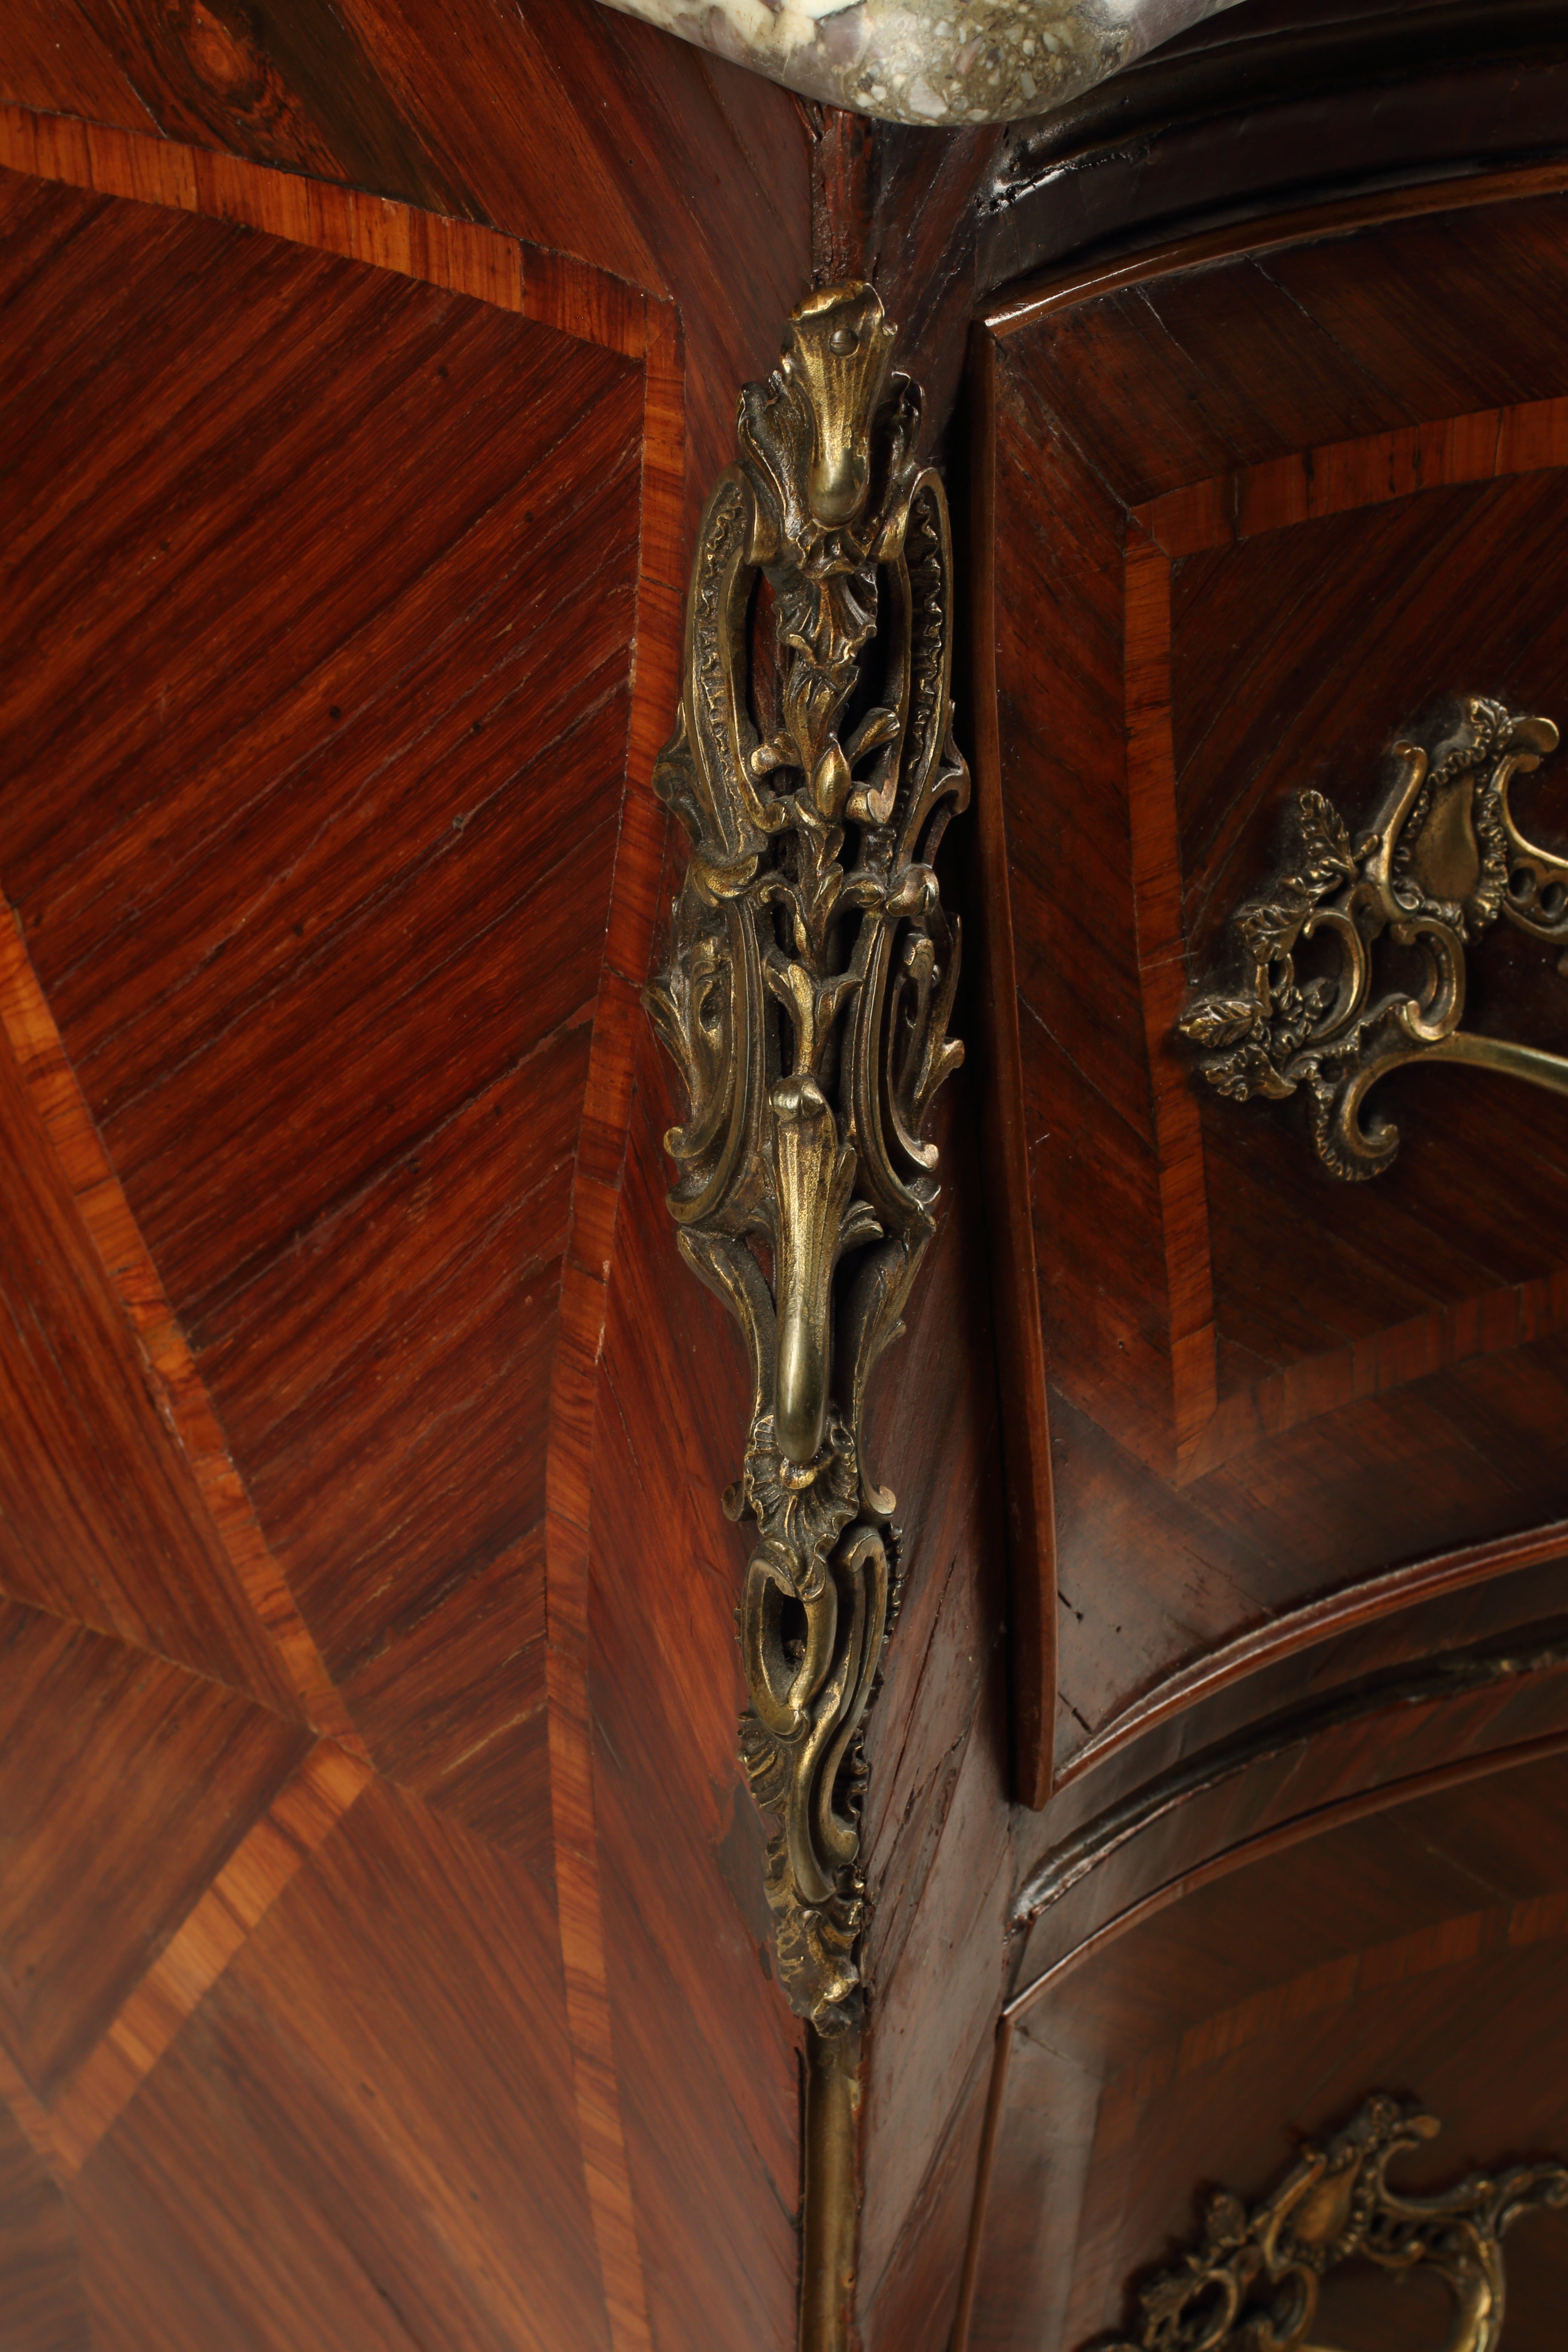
(1440, 862)
(805, 1002)
(1252, 2281)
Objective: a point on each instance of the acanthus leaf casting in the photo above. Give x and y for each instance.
(1441, 861)
(1255, 2276)
(806, 1000)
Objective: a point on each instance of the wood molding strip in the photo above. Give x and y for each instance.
(1036, 299)
(111, 1227)
(1016, 1285)
(1316, 1621)
(1311, 1823)
(554, 289)
(1315, 1821)
(1529, 1653)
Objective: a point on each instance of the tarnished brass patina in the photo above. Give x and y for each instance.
(1254, 2278)
(1442, 860)
(812, 969)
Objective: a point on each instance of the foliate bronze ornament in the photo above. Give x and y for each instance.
(1440, 862)
(1253, 2279)
(811, 974)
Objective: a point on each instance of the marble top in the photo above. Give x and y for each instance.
(930, 62)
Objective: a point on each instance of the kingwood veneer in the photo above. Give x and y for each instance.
(385, 1957)
(1251, 487)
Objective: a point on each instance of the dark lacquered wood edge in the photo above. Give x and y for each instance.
(1026, 1426)
(1038, 299)
(1316, 1621)
(1314, 1822)
(1214, 70)
(1526, 1651)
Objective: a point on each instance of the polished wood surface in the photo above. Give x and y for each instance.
(1414, 1946)
(1299, 1836)
(705, 2048)
(233, 887)
(384, 1958)
(585, 139)
(936, 1816)
(352, 501)
(427, 1389)
(1257, 570)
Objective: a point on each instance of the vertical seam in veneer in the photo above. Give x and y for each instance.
(176, 1384)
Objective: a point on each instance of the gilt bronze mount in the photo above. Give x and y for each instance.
(811, 974)
(1440, 862)
(1253, 2278)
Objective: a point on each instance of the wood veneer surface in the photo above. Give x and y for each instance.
(1242, 512)
(1417, 1949)
(936, 1821)
(679, 174)
(534, 1633)
(348, 579)
(625, 162)
(303, 2167)
(712, 2120)
(278, 932)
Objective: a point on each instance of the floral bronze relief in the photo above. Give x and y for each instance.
(805, 1002)
(1440, 862)
(1253, 2278)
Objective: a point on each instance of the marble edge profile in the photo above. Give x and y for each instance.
(933, 62)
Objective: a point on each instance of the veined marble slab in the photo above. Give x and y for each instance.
(930, 62)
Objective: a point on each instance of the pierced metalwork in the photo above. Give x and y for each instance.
(1442, 860)
(1253, 2278)
(811, 976)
